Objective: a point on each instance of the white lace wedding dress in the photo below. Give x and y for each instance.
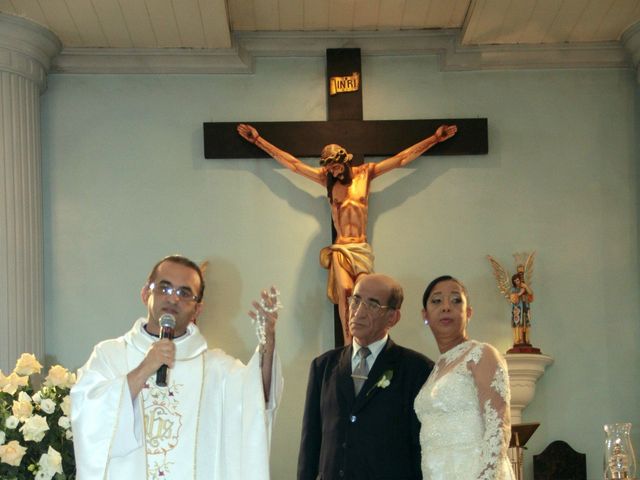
(464, 411)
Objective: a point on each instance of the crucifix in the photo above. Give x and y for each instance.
(344, 140)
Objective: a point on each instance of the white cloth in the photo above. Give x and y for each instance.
(464, 411)
(210, 422)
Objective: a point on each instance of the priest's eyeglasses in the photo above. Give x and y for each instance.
(166, 290)
(368, 305)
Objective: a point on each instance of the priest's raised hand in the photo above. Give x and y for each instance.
(264, 317)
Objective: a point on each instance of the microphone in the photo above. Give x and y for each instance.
(167, 330)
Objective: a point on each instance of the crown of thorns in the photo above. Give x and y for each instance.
(334, 154)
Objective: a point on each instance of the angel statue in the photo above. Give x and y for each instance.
(516, 288)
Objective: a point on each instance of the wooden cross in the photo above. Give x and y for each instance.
(345, 126)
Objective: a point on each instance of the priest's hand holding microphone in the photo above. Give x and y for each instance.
(160, 356)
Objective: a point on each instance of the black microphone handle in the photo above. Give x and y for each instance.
(161, 376)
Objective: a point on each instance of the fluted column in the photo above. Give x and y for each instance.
(26, 50)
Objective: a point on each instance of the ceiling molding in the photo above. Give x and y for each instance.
(152, 60)
(249, 45)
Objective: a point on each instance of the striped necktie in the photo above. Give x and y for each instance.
(361, 371)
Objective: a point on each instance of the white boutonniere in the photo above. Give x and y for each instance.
(383, 382)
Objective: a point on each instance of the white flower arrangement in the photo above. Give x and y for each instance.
(36, 441)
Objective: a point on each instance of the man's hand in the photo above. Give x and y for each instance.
(445, 132)
(247, 132)
(162, 352)
(268, 311)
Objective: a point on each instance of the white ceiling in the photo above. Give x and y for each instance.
(227, 34)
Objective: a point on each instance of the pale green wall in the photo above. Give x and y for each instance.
(125, 183)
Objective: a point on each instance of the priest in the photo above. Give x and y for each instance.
(213, 418)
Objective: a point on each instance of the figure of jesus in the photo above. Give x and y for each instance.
(348, 191)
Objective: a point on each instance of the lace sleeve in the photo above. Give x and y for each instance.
(492, 382)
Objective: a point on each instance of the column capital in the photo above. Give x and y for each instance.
(631, 41)
(26, 48)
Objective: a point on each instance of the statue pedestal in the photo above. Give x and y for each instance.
(524, 371)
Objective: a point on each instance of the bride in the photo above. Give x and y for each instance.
(464, 405)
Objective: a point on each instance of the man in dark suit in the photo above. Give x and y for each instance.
(373, 434)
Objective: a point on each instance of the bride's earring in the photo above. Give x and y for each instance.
(426, 322)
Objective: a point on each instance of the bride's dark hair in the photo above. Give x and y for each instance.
(435, 281)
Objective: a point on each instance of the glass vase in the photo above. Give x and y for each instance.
(619, 458)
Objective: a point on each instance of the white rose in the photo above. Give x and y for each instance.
(34, 428)
(22, 408)
(24, 397)
(11, 422)
(3, 437)
(48, 406)
(50, 462)
(12, 453)
(13, 382)
(59, 377)
(64, 422)
(27, 365)
(68, 434)
(42, 475)
(65, 405)
(37, 397)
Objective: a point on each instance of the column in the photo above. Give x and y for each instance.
(26, 50)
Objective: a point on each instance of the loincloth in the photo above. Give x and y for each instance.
(354, 258)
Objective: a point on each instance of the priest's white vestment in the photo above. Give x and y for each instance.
(210, 422)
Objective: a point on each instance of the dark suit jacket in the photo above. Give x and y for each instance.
(372, 437)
